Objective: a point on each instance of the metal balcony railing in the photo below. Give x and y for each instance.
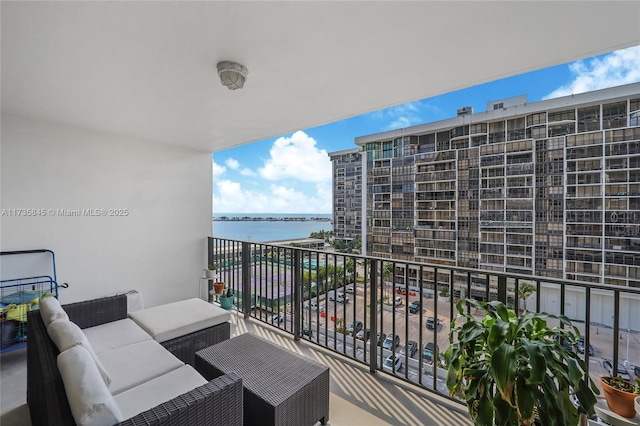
(354, 305)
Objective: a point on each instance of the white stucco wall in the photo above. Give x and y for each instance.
(158, 248)
(602, 306)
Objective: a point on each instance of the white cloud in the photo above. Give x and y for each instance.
(232, 163)
(401, 116)
(300, 176)
(614, 69)
(297, 157)
(231, 197)
(400, 123)
(217, 170)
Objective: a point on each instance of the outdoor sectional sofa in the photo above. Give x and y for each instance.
(215, 402)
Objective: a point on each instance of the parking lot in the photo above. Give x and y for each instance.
(390, 319)
(412, 326)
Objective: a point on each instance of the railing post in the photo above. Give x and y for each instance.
(502, 289)
(373, 317)
(587, 331)
(616, 331)
(297, 293)
(246, 279)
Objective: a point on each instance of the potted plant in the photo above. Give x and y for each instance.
(514, 370)
(620, 395)
(218, 288)
(226, 301)
(210, 272)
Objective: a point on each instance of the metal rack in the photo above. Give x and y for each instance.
(26, 275)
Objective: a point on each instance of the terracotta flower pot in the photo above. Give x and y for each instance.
(619, 401)
(218, 287)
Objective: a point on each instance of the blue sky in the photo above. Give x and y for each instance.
(292, 173)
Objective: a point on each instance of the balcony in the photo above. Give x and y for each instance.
(356, 397)
(309, 287)
(325, 300)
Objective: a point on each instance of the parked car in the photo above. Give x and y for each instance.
(393, 365)
(622, 370)
(391, 341)
(276, 319)
(363, 334)
(380, 338)
(428, 352)
(397, 300)
(565, 343)
(411, 347)
(414, 307)
(314, 305)
(350, 289)
(432, 322)
(338, 296)
(354, 327)
(580, 346)
(307, 332)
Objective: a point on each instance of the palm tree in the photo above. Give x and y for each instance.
(387, 273)
(525, 289)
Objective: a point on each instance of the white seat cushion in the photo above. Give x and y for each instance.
(166, 322)
(156, 391)
(66, 334)
(115, 334)
(137, 363)
(90, 401)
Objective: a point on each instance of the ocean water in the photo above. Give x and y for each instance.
(263, 231)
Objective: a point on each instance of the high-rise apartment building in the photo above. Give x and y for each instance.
(550, 188)
(347, 193)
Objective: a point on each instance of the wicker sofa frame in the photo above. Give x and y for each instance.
(218, 402)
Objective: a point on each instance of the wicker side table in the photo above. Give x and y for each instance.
(280, 387)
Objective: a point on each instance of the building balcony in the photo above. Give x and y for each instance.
(333, 306)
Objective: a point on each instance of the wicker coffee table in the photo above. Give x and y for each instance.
(280, 387)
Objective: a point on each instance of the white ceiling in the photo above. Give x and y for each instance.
(148, 69)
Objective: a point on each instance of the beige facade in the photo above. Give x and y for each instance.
(550, 188)
(347, 193)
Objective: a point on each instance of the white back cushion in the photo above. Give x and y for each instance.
(50, 310)
(66, 334)
(90, 401)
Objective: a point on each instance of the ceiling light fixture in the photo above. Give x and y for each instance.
(232, 74)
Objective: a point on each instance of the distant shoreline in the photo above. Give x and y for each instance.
(269, 219)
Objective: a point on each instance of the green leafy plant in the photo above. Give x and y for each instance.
(229, 293)
(213, 267)
(624, 385)
(510, 369)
